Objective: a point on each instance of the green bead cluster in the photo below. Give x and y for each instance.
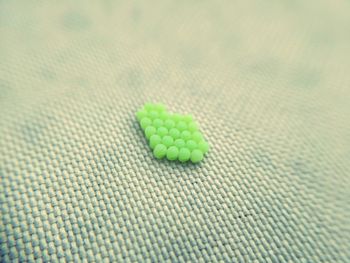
(173, 136)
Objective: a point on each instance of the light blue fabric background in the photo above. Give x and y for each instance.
(269, 83)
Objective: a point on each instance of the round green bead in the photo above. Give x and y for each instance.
(157, 123)
(160, 151)
(181, 126)
(203, 146)
(188, 118)
(172, 153)
(175, 133)
(145, 122)
(169, 124)
(192, 127)
(167, 141)
(159, 107)
(173, 136)
(184, 154)
(154, 140)
(153, 114)
(164, 115)
(179, 143)
(176, 117)
(141, 114)
(149, 106)
(162, 131)
(197, 136)
(196, 156)
(191, 144)
(185, 135)
(149, 131)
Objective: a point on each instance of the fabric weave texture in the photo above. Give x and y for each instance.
(268, 81)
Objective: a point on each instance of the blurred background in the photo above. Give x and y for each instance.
(269, 83)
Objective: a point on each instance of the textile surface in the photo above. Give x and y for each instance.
(269, 84)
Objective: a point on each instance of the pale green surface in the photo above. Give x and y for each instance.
(268, 82)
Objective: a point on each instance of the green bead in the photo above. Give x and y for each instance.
(188, 118)
(181, 126)
(185, 135)
(149, 106)
(141, 114)
(190, 144)
(172, 153)
(196, 156)
(159, 107)
(157, 123)
(169, 124)
(160, 151)
(179, 143)
(192, 127)
(176, 117)
(184, 155)
(154, 140)
(197, 136)
(175, 136)
(149, 131)
(175, 133)
(203, 146)
(145, 122)
(167, 141)
(164, 115)
(162, 131)
(153, 115)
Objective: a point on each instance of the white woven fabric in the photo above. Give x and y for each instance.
(267, 81)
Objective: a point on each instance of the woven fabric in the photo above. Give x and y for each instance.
(268, 81)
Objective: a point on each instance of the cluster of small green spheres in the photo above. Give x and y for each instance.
(172, 136)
